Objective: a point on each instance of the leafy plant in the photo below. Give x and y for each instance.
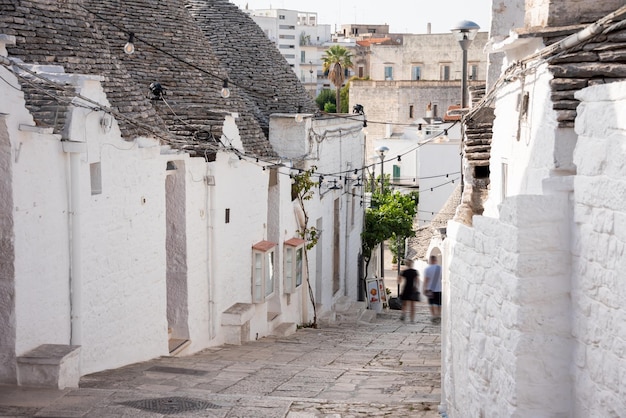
(325, 96)
(389, 216)
(330, 108)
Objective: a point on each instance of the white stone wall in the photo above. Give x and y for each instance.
(599, 262)
(334, 148)
(116, 253)
(93, 268)
(533, 309)
(531, 147)
(508, 345)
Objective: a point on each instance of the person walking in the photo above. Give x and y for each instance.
(410, 293)
(432, 288)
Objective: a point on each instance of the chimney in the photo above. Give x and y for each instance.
(428, 28)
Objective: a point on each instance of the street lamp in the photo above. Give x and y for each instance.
(465, 32)
(381, 151)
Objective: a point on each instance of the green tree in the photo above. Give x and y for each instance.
(389, 216)
(336, 60)
(325, 96)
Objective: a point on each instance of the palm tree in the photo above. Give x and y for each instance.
(336, 60)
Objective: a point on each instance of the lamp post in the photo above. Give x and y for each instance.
(381, 151)
(464, 32)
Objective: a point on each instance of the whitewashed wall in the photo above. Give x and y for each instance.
(120, 250)
(533, 310)
(435, 161)
(508, 350)
(91, 268)
(598, 250)
(40, 229)
(531, 146)
(333, 147)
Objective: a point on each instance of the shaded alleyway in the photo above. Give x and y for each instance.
(384, 368)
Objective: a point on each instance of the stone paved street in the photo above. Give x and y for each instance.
(384, 368)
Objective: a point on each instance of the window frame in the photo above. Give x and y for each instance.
(388, 69)
(445, 71)
(293, 273)
(416, 68)
(263, 271)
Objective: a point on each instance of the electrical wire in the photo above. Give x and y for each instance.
(95, 106)
(216, 76)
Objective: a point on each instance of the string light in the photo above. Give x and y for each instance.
(159, 91)
(225, 93)
(129, 48)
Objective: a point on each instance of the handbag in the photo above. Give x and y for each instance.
(415, 296)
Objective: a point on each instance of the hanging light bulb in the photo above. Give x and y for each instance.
(129, 48)
(299, 118)
(225, 93)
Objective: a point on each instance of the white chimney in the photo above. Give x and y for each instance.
(428, 28)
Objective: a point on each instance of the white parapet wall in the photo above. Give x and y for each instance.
(534, 316)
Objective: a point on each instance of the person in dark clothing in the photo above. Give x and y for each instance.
(409, 294)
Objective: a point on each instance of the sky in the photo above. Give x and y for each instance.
(402, 16)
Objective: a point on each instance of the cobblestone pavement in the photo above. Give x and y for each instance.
(384, 368)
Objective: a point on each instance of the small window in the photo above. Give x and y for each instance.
(416, 72)
(388, 73)
(396, 172)
(293, 270)
(281, 17)
(410, 111)
(473, 72)
(95, 174)
(263, 271)
(445, 72)
(361, 72)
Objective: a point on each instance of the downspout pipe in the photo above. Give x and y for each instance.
(75, 150)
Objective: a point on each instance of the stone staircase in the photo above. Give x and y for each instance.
(347, 311)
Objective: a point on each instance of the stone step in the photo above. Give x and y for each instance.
(284, 329)
(177, 346)
(50, 365)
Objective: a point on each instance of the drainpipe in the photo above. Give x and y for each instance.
(209, 183)
(75, 149)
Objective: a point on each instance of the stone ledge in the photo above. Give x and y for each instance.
(238, 314)
(50, 365)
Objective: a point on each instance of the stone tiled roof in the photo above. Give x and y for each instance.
(87, 37)
(599, 60)
(252, 61)
(47, 112)
(48, 34)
